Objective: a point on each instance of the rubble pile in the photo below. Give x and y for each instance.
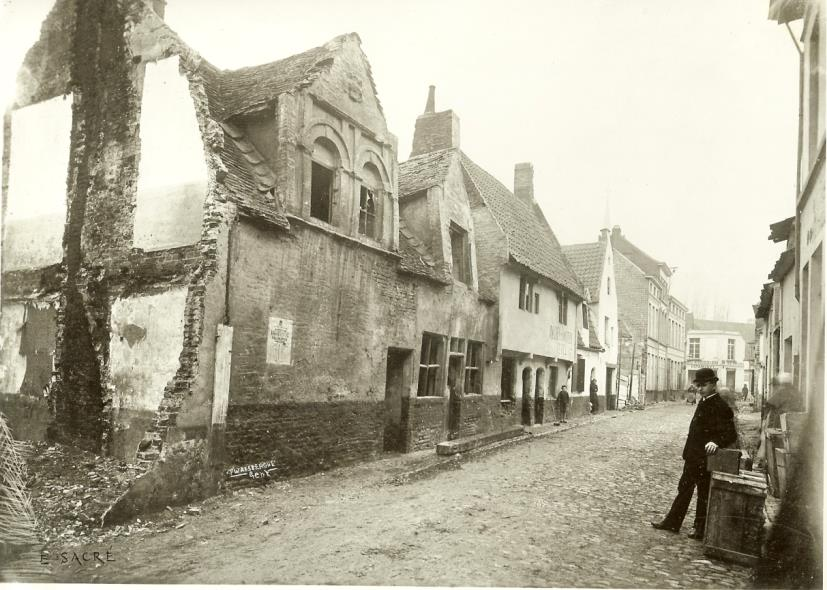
(71, 488)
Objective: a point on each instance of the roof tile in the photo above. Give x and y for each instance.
(531, 242)
(587, 261)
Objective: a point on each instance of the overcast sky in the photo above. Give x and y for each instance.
(682, 115)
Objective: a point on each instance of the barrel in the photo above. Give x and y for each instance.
(735, 518)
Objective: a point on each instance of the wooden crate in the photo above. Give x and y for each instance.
(781, 457)
(735, 518)
(725, 461)
(773, 437)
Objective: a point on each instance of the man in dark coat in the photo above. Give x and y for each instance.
(712, 426)
(593, 399)
(563, 403)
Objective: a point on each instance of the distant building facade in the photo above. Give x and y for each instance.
(724, 347)
(599, 333)
(655, 320)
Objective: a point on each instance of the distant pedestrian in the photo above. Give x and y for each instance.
(563, 403)
(691, 394)
(593, 399)
(745, 391)
(712, 426)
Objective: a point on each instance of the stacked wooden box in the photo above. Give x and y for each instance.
(735, 516)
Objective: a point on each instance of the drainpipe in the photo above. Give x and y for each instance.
(797, 228)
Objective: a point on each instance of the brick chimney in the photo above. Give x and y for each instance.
(435, 131)
(616, 232)
(524, 182)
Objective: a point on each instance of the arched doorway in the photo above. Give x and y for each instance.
(538, 396)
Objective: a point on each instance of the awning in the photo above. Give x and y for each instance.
(784, 11)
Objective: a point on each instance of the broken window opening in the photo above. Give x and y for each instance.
(473, 368)
(460, 254)
(430, 367)
(321, 189)
(367, 212)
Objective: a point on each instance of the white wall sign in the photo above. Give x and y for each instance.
(279, 341)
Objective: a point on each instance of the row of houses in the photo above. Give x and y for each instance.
(233, 267)
(790, 310)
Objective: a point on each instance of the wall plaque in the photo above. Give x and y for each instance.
(279, 341)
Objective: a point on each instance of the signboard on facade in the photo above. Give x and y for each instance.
(562, 342)
(279, 341)
(701, 364)
(253, 471)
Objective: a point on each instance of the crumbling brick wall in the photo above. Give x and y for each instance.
(97, 50)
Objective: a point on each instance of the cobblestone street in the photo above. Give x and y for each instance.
(569, 509)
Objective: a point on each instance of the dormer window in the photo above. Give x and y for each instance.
(367, 212)
(460, 254)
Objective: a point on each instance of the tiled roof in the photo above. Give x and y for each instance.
(250, 89)
(747, 330)
(594, 341)
(783, 265)
(425, 171)
(249, 178)
(531, 242)
(415, 257)
(638, 257)
(780, 230)
(765, 301)
(587, 261)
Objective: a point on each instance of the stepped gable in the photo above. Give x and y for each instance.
(424, 171)
(587, 261)
(531, 242)
(250, 89)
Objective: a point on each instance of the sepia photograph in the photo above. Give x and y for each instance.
(426, 293)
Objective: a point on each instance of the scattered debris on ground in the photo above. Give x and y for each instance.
(71, 488)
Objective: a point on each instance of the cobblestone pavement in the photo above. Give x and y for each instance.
(566, 510)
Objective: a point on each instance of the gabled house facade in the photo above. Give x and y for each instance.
(598, 342)
(656, 320)
(519, 265)
(228, 279)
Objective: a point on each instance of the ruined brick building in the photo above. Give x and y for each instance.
(230, 267)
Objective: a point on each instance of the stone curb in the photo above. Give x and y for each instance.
(437, 463)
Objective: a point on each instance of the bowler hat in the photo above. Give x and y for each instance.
(704, 376)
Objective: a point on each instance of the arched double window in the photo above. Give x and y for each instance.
(324, 179)
(370, 202)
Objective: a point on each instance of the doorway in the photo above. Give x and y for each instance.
(730, 379)
(538, 396)
(397, 374)
(527, 398)
(507, 380)
(456, 367)
(611, 403)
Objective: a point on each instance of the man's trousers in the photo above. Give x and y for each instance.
(694, 475)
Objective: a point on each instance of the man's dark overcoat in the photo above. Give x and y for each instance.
(713, 422)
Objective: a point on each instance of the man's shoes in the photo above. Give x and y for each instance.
(696, 534)
(664, 526)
